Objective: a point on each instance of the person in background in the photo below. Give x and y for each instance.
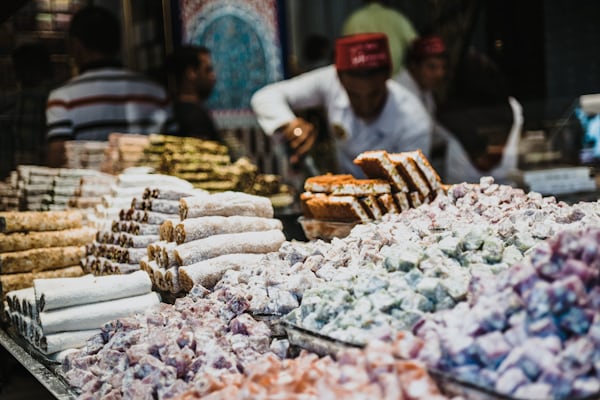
(26, 117)
(483, 122)
(104, 97)
(376, 16)
(195, 80)
(365, 109)
(425, 72)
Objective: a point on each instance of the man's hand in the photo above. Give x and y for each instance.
(301, 136)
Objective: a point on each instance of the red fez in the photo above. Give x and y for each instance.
(428, 46)
(362, 51)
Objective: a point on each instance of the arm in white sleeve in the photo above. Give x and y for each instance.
(274, 103)
(418, 129)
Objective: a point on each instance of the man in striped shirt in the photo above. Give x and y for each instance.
(104, 97)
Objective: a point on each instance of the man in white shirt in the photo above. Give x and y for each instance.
(365, 109)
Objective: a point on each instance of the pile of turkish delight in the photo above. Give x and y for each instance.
(534, 332)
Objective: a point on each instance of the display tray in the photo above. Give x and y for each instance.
(452, 386)
(325, 230)
(315, 342)
(274, 323)
(46, 371)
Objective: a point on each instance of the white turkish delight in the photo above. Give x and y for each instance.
(401, 258)
(523, 241)
(511, 255)
(450, 245)
(473, 239)
(415, 301)
(281, 301)
(493, 249)
(382, 300)
(413, 277)
(469, 258)
(369, 283)
(456, 285)
(405, 319)
(430, 288)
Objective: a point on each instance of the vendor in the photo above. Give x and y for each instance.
(104, 97)
(366, 110)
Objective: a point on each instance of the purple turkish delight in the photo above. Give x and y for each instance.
(491, 314)
(567, 292)
(543, 327)
(560, 381)
(587, 274)
(576, 320)
(517, 335)
(510, 380)
(521, 278)
(585, 386)
(537, 300)
(541, 260)
(577, 356)
(534, 391)
(459, 349)
(492, 348)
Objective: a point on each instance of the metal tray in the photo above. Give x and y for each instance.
(316, 342)
(451, 386)
(46, 371)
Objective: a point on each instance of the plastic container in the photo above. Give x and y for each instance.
(325, 230)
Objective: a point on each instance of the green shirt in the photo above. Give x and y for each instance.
(375, 17)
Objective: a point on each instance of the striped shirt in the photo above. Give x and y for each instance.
(102, 101)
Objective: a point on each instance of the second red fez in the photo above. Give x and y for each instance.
(428, 46)
(362, 51)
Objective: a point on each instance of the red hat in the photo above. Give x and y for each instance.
(428, 46)
(362, 51)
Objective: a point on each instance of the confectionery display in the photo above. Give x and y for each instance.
(35, 188)
(333, 204)
(59, 314)
(465, 291)
(37, 244)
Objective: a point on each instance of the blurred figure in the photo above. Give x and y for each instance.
(376, 16)
(104, 97)
(26, 117)
(485, 122)
(195, 80)
(365, 109)
(425, 72)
